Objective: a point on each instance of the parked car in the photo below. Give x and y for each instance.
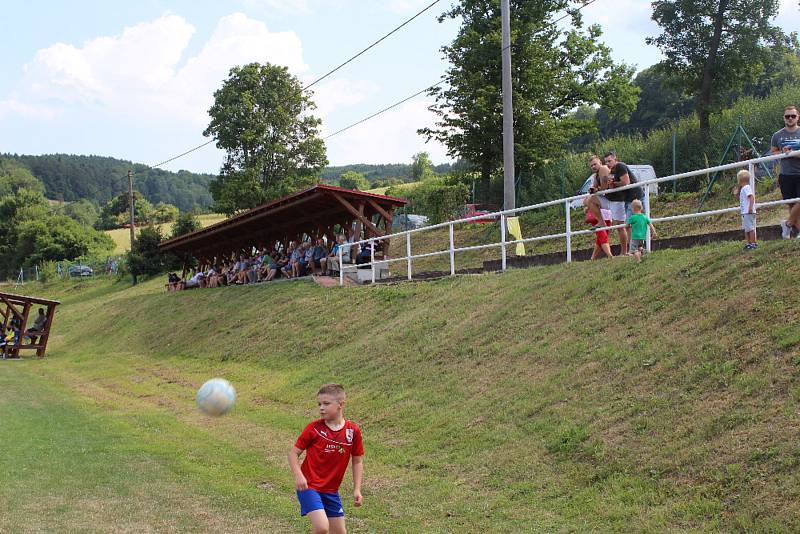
(474, 210)
(80, 270)
(409, 221)
(643, 173)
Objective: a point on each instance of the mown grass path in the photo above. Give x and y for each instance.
(70, 463)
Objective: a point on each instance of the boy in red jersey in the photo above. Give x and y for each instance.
(329, 443)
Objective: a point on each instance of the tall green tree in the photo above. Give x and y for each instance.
(715, 47)
(262, 118)
(353, 180)
(186, 223)
(555, 69)
(116, 212)
(421, 166)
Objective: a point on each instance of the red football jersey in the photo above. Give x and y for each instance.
(328, 453)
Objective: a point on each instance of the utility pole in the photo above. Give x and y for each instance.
(509, 194)
(130, 200)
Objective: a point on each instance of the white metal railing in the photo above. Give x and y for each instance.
(503, 244)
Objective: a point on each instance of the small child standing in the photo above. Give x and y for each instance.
(747, 203)
(601, 245)
(329, 443)
(639, 223)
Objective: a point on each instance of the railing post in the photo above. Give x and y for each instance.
(341, 267)
(649, 238)
(568, 210)
(452, 252)
(503, 242)
(752, 169)
(408, 254)
(372, 259)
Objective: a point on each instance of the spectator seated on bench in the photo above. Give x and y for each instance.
(330, 264)
(318, 253)
(173, 282)
(365, 254)
(10, 342)
(196, 280)
(38, 326)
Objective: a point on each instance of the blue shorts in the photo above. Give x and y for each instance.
(311, 500)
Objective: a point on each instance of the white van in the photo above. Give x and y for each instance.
(643, 173)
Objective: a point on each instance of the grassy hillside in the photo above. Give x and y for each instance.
(604, 396)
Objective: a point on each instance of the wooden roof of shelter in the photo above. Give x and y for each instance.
(313, 212)
(21, 299)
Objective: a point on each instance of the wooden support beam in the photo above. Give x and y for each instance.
(11, 306)
(385, 214)
(359, 214)
(42, 341)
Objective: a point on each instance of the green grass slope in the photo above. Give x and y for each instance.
(601, 396)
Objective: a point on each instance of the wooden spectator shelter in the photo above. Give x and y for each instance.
(322, 210)
(19, 307)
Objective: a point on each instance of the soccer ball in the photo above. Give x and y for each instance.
(216, 397)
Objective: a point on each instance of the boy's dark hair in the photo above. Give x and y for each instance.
(610, 153)
(336, 390)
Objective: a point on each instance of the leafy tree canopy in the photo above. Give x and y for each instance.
(262, 118)
(555, 69)
(715, 47)
(353, 180)
(186, 223)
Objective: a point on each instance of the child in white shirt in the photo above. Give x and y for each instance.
(747, 202)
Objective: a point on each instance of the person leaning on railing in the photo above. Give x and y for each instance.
(595, 203)
(787, 139)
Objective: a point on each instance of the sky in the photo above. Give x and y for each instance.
(134, 80)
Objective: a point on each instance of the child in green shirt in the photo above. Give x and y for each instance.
(639, 223)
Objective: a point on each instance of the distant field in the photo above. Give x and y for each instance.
(382, 190)
(122, 236)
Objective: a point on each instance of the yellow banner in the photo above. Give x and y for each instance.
(516, 233)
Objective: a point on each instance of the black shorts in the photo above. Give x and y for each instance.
(790, 185)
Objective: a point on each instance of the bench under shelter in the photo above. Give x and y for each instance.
(19, 307)
(322, 210)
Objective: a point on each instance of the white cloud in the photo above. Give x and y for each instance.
(9, 107)
(137, 76)
(336, 94)
(388, 138)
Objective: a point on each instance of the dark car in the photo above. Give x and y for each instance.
(80, 270)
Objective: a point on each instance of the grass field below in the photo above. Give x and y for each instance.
(590, 397)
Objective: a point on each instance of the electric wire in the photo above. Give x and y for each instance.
(306, 87)
(371, 46)
(384, 110)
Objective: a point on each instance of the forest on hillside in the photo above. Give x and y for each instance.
(98, 179)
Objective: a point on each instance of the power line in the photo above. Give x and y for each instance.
(371, 46)
(384, 110)
(588, 2)
(183, 154)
